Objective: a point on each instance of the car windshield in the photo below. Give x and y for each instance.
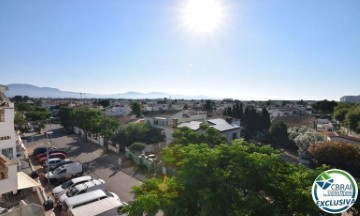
(67, 184)
(57, 170)
(72, 192)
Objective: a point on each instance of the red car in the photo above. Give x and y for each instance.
(38, 156)
(53, 155)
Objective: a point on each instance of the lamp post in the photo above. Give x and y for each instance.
(49, 133)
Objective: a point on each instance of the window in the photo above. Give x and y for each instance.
(234, 136)
(5, 138)
(2, 115)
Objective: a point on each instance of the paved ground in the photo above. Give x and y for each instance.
(95, 163)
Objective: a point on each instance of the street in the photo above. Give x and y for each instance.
(95, 163)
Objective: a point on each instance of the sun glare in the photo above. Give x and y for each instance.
(202, 16)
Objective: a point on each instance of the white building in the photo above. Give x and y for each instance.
(7, 132)
(122, 110)
(230, 131)
(174, 117)
(8, 162)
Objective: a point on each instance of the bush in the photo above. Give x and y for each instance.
(340, 155)
(137, 147)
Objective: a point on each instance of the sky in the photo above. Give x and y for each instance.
(259, 50)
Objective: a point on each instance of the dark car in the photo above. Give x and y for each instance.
(53, 155)
(41, 150)
(50, 152)
(51, 168)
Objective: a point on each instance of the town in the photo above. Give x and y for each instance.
(179, 108)
(140, 154)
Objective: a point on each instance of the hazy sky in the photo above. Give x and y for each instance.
(261, 49)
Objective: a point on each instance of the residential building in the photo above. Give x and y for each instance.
(297, 121)
(174, 117)
(350, 99)
(8, 162)
(122, 110)
(230, 131)
(7, 132)
(8, 175)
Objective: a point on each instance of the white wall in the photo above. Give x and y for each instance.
(229, 134)
(7, 129)
(10, 184)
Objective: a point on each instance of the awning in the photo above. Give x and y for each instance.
(25, 181)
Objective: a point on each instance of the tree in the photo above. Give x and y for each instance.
(136, 109)
(304, 137)
(208, 135)
(339, 155)
(340, 111)
(209, 106)
(104, 103)
(279, 134)
(67, 117)
(265, 120)
(241, 179)
(108, 128)
(18, 99)
(137, 132)
(20, 121)
(352, 119)
(325, 106)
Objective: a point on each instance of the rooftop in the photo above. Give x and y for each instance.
(295, 119)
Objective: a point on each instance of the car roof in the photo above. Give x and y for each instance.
(80, 179)
(53, 159)
(89, 184)
(97, 207)
(82, 198)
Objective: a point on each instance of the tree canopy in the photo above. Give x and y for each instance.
(279, 134)
(241, 179)
(325, 106)
(208, 135)
(339, 155)
(136, 109)
(137, 132)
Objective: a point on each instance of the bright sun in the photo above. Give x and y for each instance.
(202, 16)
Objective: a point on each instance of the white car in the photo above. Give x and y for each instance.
(52, 162)
(61, 189)
(112, 194)
(76, 190)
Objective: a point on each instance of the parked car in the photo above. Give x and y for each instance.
(112, 194)
(92, 185)
(53, 155)
(104, 206)
(64, 172)
(61, 189)
(82, 199)
(41, 150)
(53, 167)
(52, 161)
(50, 152)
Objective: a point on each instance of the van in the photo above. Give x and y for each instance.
(105, 207)
(92, 185)
(59, 190)
(82, 199)
(65, 172)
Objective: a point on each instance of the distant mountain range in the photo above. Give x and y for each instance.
(47, 92)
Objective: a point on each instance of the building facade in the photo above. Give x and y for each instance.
(7, 132)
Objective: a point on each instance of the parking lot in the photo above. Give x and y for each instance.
(95, 163)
